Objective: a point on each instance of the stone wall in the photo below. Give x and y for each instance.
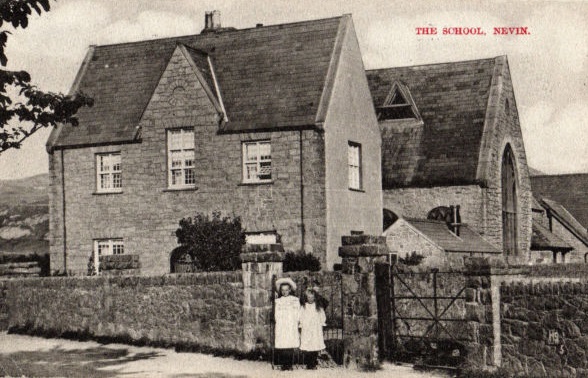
(201, 310)
(417, 202)
(146, 213)
(403, 239)
(502, 128)
(3, 306)
(544, 328)
(350, 117)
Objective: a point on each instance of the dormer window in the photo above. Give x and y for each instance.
(398, 105)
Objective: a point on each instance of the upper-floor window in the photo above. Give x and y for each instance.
(180, 151)
(354, 163)
(257, 162)
(108, 172)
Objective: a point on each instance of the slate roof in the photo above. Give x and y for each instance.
(269, 77)
(567, 219)
(571, 191)
(467, 241)
(543, 239)
(452, 100)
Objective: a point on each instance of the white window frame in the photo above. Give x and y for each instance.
(354, 162)
(256, 162)
(180, 158)
(105, 247)
(261, 238)
(109, 172)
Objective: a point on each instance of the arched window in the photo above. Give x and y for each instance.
(509, 202)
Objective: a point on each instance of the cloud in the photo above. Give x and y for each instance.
(148, 25)
(556, 139)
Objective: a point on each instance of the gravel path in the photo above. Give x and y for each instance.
(31, 356)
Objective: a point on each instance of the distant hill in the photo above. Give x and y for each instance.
(24, 215)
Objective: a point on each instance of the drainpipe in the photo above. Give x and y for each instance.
(63, 212)
(302, 226)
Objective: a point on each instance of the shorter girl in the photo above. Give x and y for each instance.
(312, 321)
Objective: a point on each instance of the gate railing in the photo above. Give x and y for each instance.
(421, 315)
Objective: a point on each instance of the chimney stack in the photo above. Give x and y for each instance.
(455, 219)
(212, 21)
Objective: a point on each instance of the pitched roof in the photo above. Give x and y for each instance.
(452, 100)
(567, 219)
(467, 241)
(543, 239)
(269, 77)
(570, 190)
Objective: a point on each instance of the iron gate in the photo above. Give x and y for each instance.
(421, 315)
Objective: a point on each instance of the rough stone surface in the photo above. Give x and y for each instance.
(203, 309)
(147, 212)
(544, 327)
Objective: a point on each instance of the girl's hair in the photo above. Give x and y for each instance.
(321, 302)
(280, 291)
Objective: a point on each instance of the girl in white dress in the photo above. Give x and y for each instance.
(312, 321)
(287, 312)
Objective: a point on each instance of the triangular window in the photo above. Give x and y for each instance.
(398, 104)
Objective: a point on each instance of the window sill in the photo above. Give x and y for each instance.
(357, 190)
(184, 189)
(106, 193)
(256, 183)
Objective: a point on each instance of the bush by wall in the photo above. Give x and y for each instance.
(299, 261)
(214, 242)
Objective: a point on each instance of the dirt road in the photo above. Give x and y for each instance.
(37, 357)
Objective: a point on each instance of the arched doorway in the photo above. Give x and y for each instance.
(509, 202)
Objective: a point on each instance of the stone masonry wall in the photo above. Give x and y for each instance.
(201, 309)
(544, 327)
(505, 131)
(402, 239)
(3, 306)
(417, 202)
(146, 213)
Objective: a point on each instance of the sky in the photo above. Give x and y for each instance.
(549, 66)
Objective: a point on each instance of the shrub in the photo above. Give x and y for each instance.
(297, 261)
(214, 242)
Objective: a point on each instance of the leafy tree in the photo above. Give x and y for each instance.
(24, 109)
(214, 243)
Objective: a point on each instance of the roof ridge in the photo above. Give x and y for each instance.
(562, 174)
(435, 64)
(146, 41)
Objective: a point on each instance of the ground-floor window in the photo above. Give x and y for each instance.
(104, 247)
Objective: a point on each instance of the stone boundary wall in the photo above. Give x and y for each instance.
(3, 306)
(544, 328)
(201, 310)
(572, 270)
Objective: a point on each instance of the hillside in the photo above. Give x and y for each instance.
(24, 215)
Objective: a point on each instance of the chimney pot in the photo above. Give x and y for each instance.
(212, 20)
(258, 25)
